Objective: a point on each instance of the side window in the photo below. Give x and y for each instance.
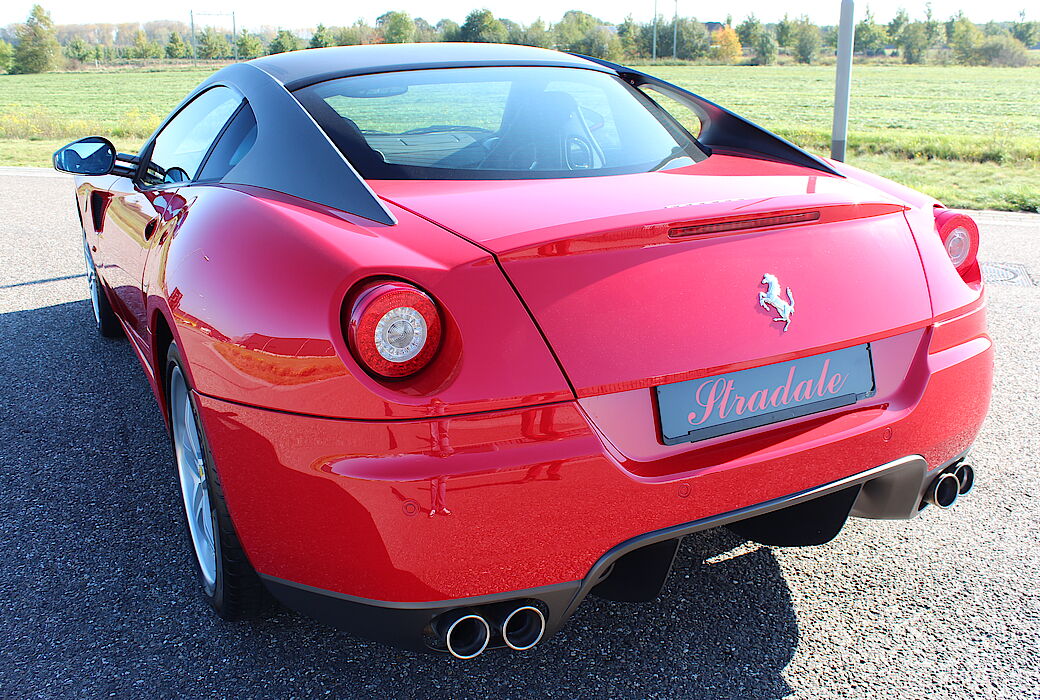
(686, 114)
(184, 141)
(233, 144)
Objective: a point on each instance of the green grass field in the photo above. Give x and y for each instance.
(968, 136)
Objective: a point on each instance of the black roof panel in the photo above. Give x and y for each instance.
(297, 69)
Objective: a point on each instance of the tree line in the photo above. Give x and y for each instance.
(39, 45)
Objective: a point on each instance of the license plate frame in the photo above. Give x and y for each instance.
(685, 404)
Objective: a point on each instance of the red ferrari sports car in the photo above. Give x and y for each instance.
(449, 336)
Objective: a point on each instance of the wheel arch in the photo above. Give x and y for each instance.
(163, 336)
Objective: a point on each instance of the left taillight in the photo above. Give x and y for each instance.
(960, 237)
(392, 328)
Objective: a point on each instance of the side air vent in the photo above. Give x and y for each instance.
(98, 205)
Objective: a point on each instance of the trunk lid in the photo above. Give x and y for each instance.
(635, 281)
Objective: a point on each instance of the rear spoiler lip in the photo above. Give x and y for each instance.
(727, 131)
(806, 215)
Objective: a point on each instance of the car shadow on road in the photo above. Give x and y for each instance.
(96, 580)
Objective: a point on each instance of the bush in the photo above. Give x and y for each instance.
(322, 37)
(249, 45)
(176, 47)
(913, 42)
(965, 40)
(725, 45)
(284, 41)
(807, 40)
(1003, 50)
(481, 26)
(6, 51)
(765, 48)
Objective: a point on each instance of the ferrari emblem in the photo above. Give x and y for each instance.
(772, 297)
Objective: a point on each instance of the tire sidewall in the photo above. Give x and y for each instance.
(215, 597)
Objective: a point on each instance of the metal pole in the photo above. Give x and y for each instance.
(675, 29)
(194, 53)
(655, 30)
(840, 128)
(234, 35)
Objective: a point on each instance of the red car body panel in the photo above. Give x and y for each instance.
(531, 447)
(265, 333)
(538, 495)
(595, 262)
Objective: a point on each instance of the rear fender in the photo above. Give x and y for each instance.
(255, 283)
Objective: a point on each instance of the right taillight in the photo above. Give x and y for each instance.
(960, 237)
(392, 328)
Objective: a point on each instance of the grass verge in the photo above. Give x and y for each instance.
(969, 136)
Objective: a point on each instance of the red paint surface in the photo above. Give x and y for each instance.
(536, 496)
(532, 433)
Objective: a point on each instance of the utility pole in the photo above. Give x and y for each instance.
(842, 82)
(675, 30)
(234, 36)
(655, 31)
(194, 53)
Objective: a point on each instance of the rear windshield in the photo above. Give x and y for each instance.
(496, 123)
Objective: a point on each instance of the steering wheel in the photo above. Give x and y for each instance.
(580, 149)
(578, 153)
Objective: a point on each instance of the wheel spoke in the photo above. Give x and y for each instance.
(191, 468)
(207, 523)
(191, 431)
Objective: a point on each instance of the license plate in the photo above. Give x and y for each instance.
(703, 408)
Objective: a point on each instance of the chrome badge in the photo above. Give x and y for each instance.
(772, 297)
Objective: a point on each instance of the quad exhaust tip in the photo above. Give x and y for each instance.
(523, 628)
(468, 636)
(944, 490)
(966, 476)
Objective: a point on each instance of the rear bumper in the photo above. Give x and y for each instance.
(409, 624)
(401, 520)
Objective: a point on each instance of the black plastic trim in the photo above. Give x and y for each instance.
(296, 69)
(726, 131)
(408, 625)
(430, 65)
(291, 155)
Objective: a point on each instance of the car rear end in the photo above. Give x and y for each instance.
(744, 342)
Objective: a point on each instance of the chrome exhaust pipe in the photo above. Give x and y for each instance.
(944, 490)
(966, 476)
(467, 637)
(523, 628)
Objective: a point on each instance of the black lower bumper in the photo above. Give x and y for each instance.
(635, 569)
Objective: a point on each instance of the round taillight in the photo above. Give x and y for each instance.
(960, 237)
(958, 245)
(393, 328)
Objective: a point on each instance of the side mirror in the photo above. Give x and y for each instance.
(93, 155)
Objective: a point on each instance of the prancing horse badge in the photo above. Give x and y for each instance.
(771, 297)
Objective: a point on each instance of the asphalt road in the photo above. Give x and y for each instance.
(96, 598)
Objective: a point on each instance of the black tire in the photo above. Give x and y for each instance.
(237, 592)
(104, 317)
